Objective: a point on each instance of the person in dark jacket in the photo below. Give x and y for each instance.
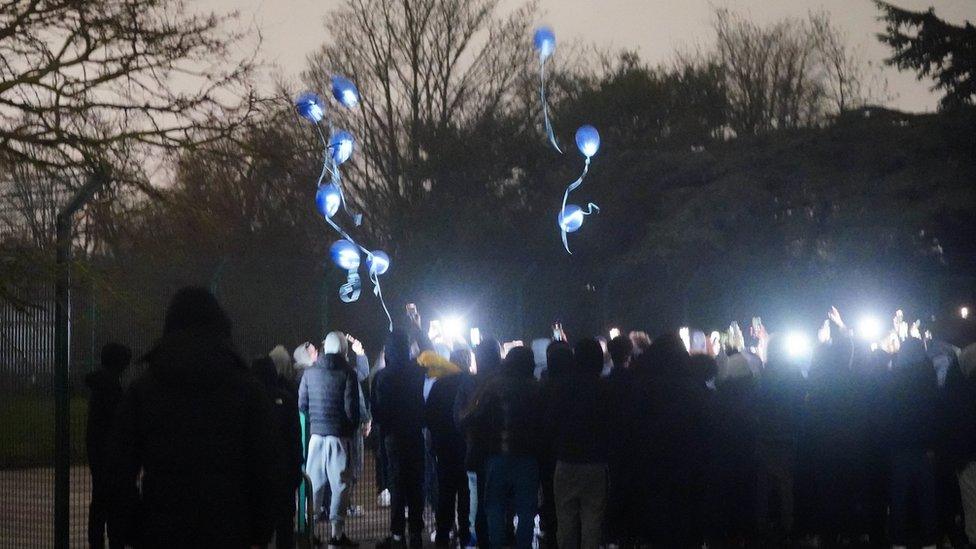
(779, 398)
(667, 419)
(577, 419)
(911, 432)
(398, 409)
(508, 411)
(329, 394)
(559, 365)
(103, 403)
(448, 443)
(488, 360)
(288, 444)
(197, 425)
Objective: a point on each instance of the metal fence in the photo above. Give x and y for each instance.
(27, 393)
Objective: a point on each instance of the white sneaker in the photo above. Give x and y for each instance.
(383, 499)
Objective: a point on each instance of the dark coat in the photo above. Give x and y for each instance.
(329, 393)
(103, 404)
(198, 425)
(508, 414)
(579, 418)
(398, 398)
(439, 416)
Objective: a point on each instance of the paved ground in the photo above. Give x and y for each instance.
(27, 508)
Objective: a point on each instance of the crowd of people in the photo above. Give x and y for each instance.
(681, 441)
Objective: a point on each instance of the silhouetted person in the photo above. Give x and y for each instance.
(103, 404)
(730, 478)
(288, 445)
(911, 432)
(779, 398)
(508, 412)
(398, 408)
(620, 385)
(329, 394)
(836, 446)
(665, 455)
(578, 420)
(198, 425)
(488, 360)
(559, 363)
(448, 443)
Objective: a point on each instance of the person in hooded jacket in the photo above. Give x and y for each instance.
(329, 394)
(288, 443)
(508, 411)
(398, 410)
(106, 395)
(488, 360)
(962, 421)
(911, 431)
(667, 404)
(448, 443)
(197, 425)
(559, 365)
(778, 401)
(577, 417)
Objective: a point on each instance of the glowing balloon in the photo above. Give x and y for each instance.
(310, 106)
(328, 199)
(345, 91)
(341, 146)
(378, 263)
(587, 140)
(544, 41)
(571, 218)
(345, 254)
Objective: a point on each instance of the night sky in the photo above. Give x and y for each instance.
(656, 28)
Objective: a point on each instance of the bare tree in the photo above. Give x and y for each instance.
(422, 67)
(792, 73)
(88, 83)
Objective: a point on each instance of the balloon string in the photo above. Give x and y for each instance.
(329, 165)
(375, 278)
(545, 105)
(570, 188)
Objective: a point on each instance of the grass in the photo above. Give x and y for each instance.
(27, 431)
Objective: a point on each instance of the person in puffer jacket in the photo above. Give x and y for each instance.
(329, 394)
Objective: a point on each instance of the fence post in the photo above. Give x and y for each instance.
(62, 344)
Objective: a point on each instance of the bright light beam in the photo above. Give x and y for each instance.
(798, 345)
(869, 328)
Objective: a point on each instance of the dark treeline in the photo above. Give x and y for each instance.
(760, 155)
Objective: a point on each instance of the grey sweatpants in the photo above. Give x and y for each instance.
(580, 490)
(328, 462)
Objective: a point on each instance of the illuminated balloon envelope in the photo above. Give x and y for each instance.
(310, 106)
(340, 146)
(587, 140)
(378, 263)
(328, 199)
(345, 254)
(571, 218)
(544, 41)
(345, 91)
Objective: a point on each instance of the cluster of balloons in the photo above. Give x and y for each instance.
(570, 217)
(329, 198)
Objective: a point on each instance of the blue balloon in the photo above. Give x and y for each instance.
(345, 254)
(571, 218)
(328, 199)
(587, 140)
(345, 91)
(544, 41)
(310, 106)
(378, 263)
(341, 145)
